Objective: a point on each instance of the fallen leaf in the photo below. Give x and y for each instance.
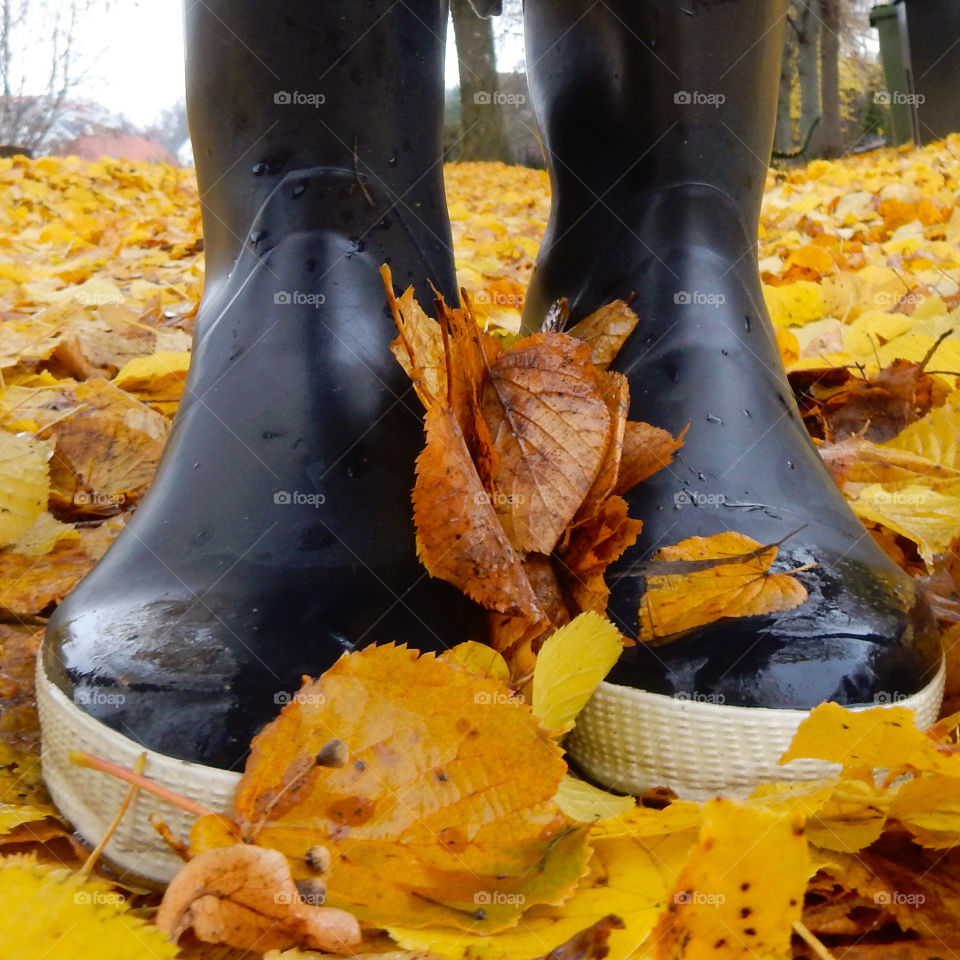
(605, 331)
(244, 896)
(24, 483)
(584, 803)
(570, 664)
(882, 737)
(646, 450)
(89, 919)
(727, 902)
(444, 812)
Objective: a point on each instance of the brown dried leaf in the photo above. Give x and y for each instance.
(646, 450)
(549, 423)
(459, 538)
(244, 896)
(592, 548)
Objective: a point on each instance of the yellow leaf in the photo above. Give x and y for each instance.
(794, 304)
(851, 819)
(158, 378)
(570, 664)
(929, 807)
(728, 902)
(42, 537)
(79, 920)
(935, 437)
(628, 878)
(883, 737)
(480, 659)
(704, 579)
(584, 803)
(928, 517)
(23, 797)
(645, 822)
(24, 483)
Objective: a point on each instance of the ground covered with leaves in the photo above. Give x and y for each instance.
(100, 275)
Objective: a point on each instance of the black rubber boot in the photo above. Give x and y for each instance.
(278, 530)
(658, 121)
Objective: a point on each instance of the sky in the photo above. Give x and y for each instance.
(139, 57)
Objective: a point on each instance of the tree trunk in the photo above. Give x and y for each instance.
(483, 134)
(830, 135)
(808, 33)
(783, 137)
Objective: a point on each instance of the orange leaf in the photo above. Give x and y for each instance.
(445, 802)
(704, 579)
(646, 449)
(549, 424)
(592, 548)
(459, 538)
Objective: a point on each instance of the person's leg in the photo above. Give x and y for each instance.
(658, 119)
(278, 530)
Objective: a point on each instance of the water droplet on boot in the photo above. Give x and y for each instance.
(790, 464)
(258, 236)
(392, 162)
(746, 412)
(258, 169)
(726, 353)
(746, 324)
(299, 190)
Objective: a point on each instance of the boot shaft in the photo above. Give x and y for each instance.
(351, 84)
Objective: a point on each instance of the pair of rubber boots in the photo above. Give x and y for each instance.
(277, 534)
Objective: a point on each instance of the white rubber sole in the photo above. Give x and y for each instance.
(90, 799)
(631, 740)
(628, 739)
